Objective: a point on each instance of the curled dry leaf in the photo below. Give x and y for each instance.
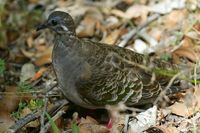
(112, 22)
(189, 106)
(28, 54)
(112, 37)
(184, 52)
(187, 50)
(170, 22)
(87, 27)
(90, 125)
(139, 12)
(179, 109)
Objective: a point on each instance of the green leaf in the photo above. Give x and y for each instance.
(53, 125)
(75, 128)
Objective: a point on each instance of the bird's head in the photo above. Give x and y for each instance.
(60, 22)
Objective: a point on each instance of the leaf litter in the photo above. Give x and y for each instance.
(27, 57)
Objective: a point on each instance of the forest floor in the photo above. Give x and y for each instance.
(30, 100)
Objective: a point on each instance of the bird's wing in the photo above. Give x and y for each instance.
(116, 79)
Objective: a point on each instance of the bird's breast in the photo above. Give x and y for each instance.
(68, 66)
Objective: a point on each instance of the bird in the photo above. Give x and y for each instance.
(93, 74)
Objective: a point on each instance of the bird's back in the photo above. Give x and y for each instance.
(116, 74)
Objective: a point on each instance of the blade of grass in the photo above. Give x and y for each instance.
(53, 125)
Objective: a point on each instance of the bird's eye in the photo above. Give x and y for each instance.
(54, 22)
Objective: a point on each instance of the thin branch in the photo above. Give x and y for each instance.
(42, 118)
(23, 121)
(134, 32)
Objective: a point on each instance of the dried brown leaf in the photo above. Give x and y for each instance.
(174, 18)
(189, 106)
(44, 58)
(10, 99)
(87, 27)
(112, 22)
(90, 125)
(112, 37)
(28, 54)
(5, 121)
(93, 128)
(187, 50)
(139, 12)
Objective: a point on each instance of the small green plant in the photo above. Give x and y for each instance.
(35, 103)
(32, 104)
(21, 106)
(24, 87)
(2, 66)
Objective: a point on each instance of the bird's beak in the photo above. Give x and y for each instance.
(42, 26)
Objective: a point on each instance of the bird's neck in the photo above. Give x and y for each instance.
(69, 40)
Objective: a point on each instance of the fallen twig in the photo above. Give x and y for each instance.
(23, 121)
(134, 32)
